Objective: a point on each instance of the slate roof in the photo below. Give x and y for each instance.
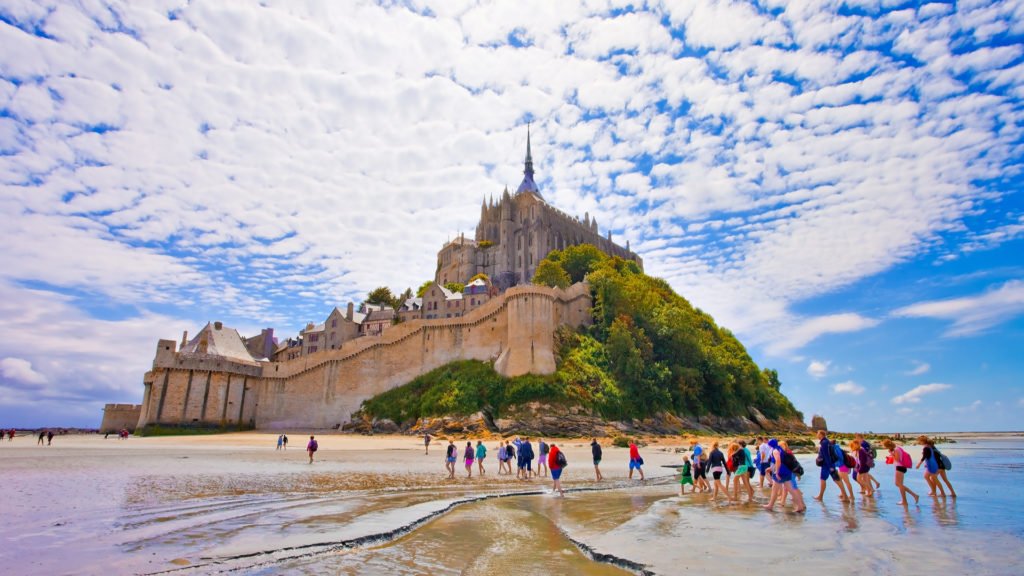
(224, 342)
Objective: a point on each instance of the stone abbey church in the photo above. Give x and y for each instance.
(516, 233)
(317, 381)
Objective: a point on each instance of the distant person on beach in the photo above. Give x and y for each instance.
(700, 477)
(10, 435)
(743, 466)
(542, 459)
(716, 465)
(844, 465)
(635, 461)
(556, 463)
(864, 462)
(595, 452)
(426, 443)
(931, 470)
(468, 455)
(502, 459)
(764, 457)
(49, 437)
(481, 453)
(874, 455)
(902, 460)
(686, 475)
(942, 461)
(42, 436)
(285, 441)
(526, 451)
(311, 448)
(451, 453)
(510, 457)
(280, 441)
(829, 467)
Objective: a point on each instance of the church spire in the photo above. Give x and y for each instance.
(528, 185)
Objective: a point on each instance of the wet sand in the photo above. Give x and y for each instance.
(205, 504)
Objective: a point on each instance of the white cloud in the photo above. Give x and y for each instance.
(972, 407)
(818, 368)
(972, 314)
(20, 370)
(919, 369)
(848, 387)
(913, 396)
(807, 330)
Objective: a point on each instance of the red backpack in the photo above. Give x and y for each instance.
(905, 459)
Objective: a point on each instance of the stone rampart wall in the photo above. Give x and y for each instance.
(322, 390)
(118, 416)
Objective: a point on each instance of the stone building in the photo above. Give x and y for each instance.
(440, 302)
(411, 309)
(515, 234)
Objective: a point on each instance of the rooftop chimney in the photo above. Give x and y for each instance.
(348, 312)
(184, 338)
(218, 325)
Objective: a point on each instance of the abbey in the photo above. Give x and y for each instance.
(317, 380)
(516, 233)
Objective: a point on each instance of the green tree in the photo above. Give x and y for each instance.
(382, 296)
(579, 260)
(550, 273)
(423, 288)
(455, 286)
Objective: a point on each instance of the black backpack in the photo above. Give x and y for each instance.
(790, 461)
(560, 459)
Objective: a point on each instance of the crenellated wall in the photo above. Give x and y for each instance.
(321, 390)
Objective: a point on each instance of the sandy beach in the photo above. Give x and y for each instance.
(207, 504)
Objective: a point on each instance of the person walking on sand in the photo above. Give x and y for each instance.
(863, 460)
(468, 455)
(311, 448)
(828, 467)
(280, 441)
(942, 461)
(844, 465)
(902, 460)
(635, 461)
(741, 463)
(502, 458)
(510, 457)
(285, 441)
(426, 443)
(481, 453)
(526, 450)
(449, 459)
(764, 455)
(542, 461)
(49, 437)
(784, 467)
(716, 465)
(42, 435)
(700, 468)
(595, 451)
(874, 454)
(686, 475)
(931, 471)
(556, 463)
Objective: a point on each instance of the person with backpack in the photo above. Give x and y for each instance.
(874, 456)
(740, 460)
(468, 456)
(481, 453)
(542, 461)
(864, 463)
(828, 467)
(451, 453)
(700, 476)
(845, 465)
(944, 465)
(595, 451)
(902, 460)
(763, 459)
(784, 468)
(931, 471)
(635, 461)
(556, 463)
(510, 456)
(526, 452)
(311, 448)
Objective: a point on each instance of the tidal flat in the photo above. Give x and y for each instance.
(232, 503)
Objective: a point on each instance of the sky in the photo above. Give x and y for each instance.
(838, 183)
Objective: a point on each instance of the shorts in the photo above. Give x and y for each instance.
(763, 467)
(529, 464)
(716, 472)
(700, 471)
(556, 473)
(792, 483)
(597, 461)
(932, 466)
(469, 462)
(825, 473)
(902, 469)
(686, 480)
(634, 464)
(741, 470)
(450, 459)
(844, 470)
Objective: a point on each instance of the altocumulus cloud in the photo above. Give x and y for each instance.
(972, 314)
(913, 396)
(756, 154)
(848, 387)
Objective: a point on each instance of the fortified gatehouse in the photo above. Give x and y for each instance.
(214, 381)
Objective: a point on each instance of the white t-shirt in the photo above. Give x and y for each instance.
(766, 452)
